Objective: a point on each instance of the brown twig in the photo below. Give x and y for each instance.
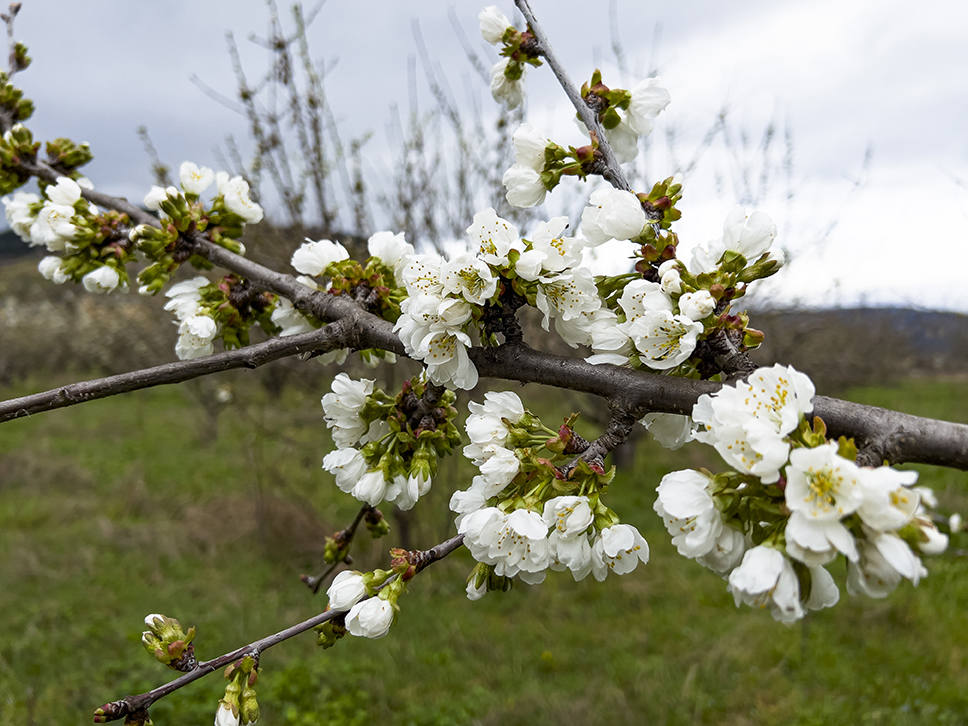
(328, 338)
(344, 538)
(130, 704)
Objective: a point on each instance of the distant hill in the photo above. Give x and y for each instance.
(847, 346)
(12, 247)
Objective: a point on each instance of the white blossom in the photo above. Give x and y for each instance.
(66, 191)
(493, 24)
(529, 148)
(51, 268)
(884, 560)
(195, 179)
(624, 142)
(817, 541)
(932, 541)
(101, 280)
(664, 340)
(823, 590)
(500, 467)
(19, 216)
(392, 248)
(569, 516)
(289, 319)
(888, 500)
(640, 297)
(746, 423)
(370, 488)
(726, 553)
(469, 276)
(612, 214)
(619, 549)
(689, 512)
(515, 543)
(346, 590)
(313, 257)
(473, 591)
(347, 465)
(235, 193)
(649, 98)
(464, 501)
(184, 297)
(670, 280)
(524, 186)
(696, 305)
(225, 715)
(671, 430)
(822, 484)
(445, 355)
(508, 92)
(370, 618)
(195, 335)
(485, 426)
(765, 578)
(342, 406)
(748, 234)
(53, 227)
(155, 196)
(567, 295)
(575, 554)
(555, 251)
(493, 237)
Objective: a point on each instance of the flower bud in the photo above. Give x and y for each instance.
(347, 589)
(370, 619)
(168, 643)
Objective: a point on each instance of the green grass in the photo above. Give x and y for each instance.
(126, 506)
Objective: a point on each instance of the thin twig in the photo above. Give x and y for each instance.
(344, 539)
(252, 356)
(130, 704)
(613, 172)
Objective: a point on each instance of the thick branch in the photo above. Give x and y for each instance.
(118, 709)
(328, 338)
(897, 437)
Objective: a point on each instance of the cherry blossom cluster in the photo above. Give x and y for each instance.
(447, 300)
(369, 600)
(626, 114)
(540, 163)
(518, 48)
(387, 448)
(793, 503)
(205, 311)
(86, 242)
(534, 506)
(659, 314)
(372, 284)
(182, 209)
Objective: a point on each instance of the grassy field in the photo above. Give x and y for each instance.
(145, 503)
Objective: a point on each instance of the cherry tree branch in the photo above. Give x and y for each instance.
(894, 436)
(330, 337)
(612, 172)
(132, 704)
(343, 539)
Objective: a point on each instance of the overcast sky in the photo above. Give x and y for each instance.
(845, 76)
